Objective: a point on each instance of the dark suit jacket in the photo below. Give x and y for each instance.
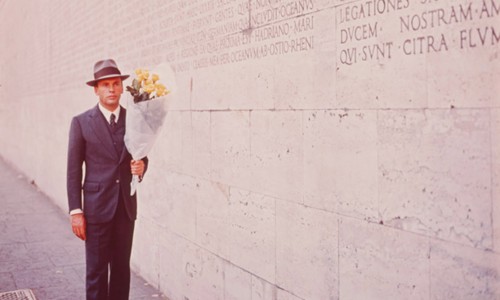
(107, 168)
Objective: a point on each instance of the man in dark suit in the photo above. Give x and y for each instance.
(105, 219)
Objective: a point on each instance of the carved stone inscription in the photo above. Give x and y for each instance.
(203, 33)
(378, 30)
(267, 28)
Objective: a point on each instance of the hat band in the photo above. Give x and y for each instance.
(107, 71)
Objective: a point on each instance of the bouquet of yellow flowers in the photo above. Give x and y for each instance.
(145, 88)
(146, 112)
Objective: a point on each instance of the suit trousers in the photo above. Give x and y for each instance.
(107, 249)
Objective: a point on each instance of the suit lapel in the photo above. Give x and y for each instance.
(100, 128)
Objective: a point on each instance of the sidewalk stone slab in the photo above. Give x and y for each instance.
(7, 281)
(37, 248)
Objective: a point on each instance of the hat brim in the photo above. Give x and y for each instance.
(93, 82)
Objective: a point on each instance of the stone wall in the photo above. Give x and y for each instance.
(316, 149)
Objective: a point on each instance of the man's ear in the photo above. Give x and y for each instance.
(95, 88)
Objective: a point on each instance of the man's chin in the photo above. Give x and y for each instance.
(112, 102)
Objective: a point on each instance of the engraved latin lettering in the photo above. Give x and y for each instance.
(243, 8)
(294, 45)
(435, 18)
(376, 51)
(274, 12)
(470, 38)
(358, 33)
(348, 56)
(304, 24)
(365, 9)
(489, 9)
(222, 29)
(271, 32)
(424, 44)
(366, 41)
(224, 14)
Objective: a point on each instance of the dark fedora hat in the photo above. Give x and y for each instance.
(106, 68)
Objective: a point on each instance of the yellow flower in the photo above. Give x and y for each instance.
(155, 77)
(138, 72)
(145, 74)
(161, 90)
(140, 78)
(159, 86)
(149, 88)
(148, 82)
(160, 93)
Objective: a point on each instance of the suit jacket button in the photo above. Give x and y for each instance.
(118, 181)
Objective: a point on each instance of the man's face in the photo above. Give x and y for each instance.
(109, 91)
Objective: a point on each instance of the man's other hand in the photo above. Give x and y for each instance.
(79, 226)
(137, 167)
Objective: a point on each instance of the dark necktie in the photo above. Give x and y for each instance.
(112, 120)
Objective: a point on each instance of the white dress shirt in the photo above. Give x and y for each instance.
(107, 113)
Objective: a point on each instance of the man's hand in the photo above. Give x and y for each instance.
(137, 167)
(79, 226)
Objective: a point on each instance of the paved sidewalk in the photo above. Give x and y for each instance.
(38, 251)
